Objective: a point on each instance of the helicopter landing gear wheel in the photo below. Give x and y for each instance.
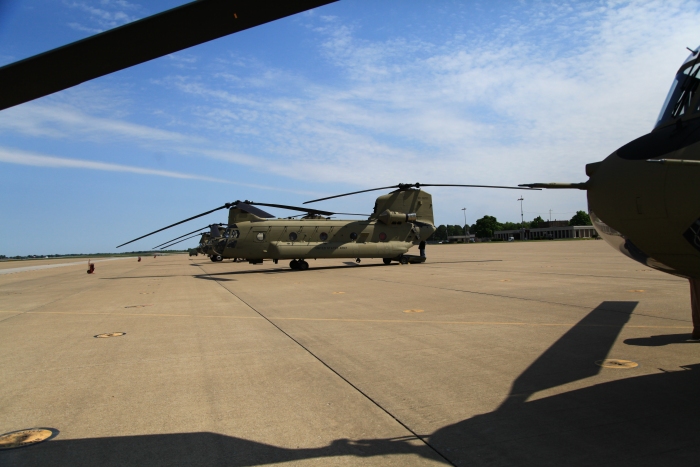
(294, 264)
(303, 265)
(218, 258)
(387, 260)
(213, 260)
(403, 260)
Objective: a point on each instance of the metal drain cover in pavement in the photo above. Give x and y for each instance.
(20, 438)
(111, 334)
(614, 363)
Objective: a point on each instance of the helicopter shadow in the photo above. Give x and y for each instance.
(346, 265)
(648, 420)
(661, 340)
(285, 270)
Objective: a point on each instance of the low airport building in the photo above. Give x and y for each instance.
(460, 238)
(552, 229)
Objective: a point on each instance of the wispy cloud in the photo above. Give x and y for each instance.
(555, 87)
(107, 15)
(63, 121)
(15, 156)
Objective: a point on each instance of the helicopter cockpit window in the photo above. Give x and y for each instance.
(682, 94)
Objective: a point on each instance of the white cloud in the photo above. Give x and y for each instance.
(517, 108)
(109, 14)
(62, 121)
(14, 156)
(555, 86)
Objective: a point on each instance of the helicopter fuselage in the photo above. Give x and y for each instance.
(318, 238)
(650, 211)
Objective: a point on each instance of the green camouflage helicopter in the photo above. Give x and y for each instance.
(400, 220)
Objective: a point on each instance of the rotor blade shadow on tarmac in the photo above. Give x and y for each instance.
(573, 356)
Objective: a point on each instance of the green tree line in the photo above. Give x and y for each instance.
(487, 225)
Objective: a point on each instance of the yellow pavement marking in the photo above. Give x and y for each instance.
(504, 280)
(617, 364)
(17, 439)
(351, 320)
(636, 290)
(110, 334)
(338, 293)
(413, 311)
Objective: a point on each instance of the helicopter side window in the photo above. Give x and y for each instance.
(260, 236)
(292, 236)
(681, 95)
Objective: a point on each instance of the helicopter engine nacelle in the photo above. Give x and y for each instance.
(395, 218)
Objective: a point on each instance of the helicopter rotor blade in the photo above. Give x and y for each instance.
(418, 185)
(406, 186)
(351, 193)
(137, 42)
(227, 205)
(306, 210)
(175, 243)
(176, 238)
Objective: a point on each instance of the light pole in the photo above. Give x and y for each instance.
(521, 211)
(464, 210)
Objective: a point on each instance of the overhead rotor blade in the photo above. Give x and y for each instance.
(175, 243)
(352, 193)
(137, 42)
(306, 210)
(418, 185)
(406, 186)
(227, 205)
(176, 238)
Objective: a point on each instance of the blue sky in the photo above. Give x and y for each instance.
(349, 96)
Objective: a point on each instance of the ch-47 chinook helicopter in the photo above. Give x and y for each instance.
(400, 220)
(644, 198)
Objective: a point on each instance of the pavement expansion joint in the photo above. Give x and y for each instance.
(333, 370)
(21, 438)
(617, 364)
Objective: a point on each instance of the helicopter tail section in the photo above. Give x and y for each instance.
(409, 202)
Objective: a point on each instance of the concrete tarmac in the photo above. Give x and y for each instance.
(486, 355)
